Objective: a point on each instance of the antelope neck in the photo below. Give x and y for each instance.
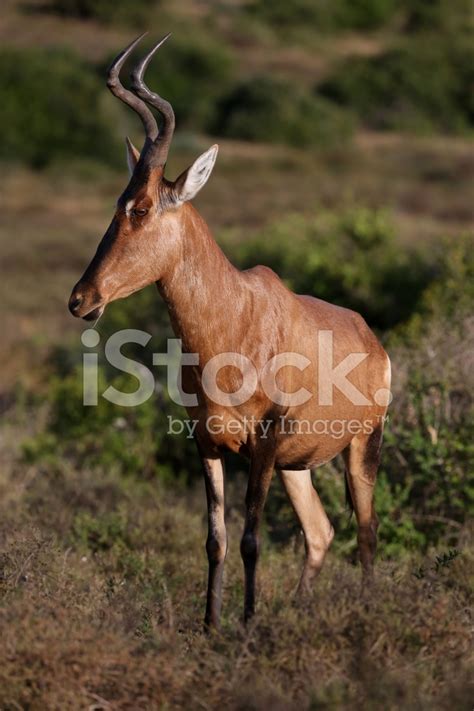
(201, 290)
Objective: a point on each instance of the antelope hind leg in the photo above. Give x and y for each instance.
(317, 529)
(362, 458)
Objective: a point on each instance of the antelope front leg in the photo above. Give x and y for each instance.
(216, 544)
(261, 471)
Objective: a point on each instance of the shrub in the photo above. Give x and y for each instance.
(363, 15)
(417, 86)
(283, 15)
(51, 108)
(440, 15)
(428, 451)
(322, 15)
(131, 441)
(350, 259)
(100, 534)
(107, 11)
(429, 447)
(450, 296)
(273, 110)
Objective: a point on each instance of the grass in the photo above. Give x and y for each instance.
(102, 587)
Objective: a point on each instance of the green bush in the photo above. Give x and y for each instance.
(364, 14)
(350, 259)
(423, 85)
(429, 459)
(100, 533)
(132, 441)
(284, 15)
(451, 16)
(322, 15)
(273, 110)
(106, 11)
(451, 295)
(428, 454)
(51, 109)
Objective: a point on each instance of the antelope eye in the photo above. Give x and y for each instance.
(140, 211)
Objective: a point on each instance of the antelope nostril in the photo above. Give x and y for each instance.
(74, 303)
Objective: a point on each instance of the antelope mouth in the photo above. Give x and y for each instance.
(94, 315)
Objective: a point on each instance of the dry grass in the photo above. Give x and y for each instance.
(102, 584)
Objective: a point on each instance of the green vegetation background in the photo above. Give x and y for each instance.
(295, 89)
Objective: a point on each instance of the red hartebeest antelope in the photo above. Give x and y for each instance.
(156, 235)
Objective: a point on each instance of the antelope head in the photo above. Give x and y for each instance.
(146, 231)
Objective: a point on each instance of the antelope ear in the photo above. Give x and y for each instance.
(195, 177)
(133, 155)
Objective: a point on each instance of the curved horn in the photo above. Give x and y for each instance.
(118, 90)
(163, 140)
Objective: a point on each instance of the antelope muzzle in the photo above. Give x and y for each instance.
(85, 302)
